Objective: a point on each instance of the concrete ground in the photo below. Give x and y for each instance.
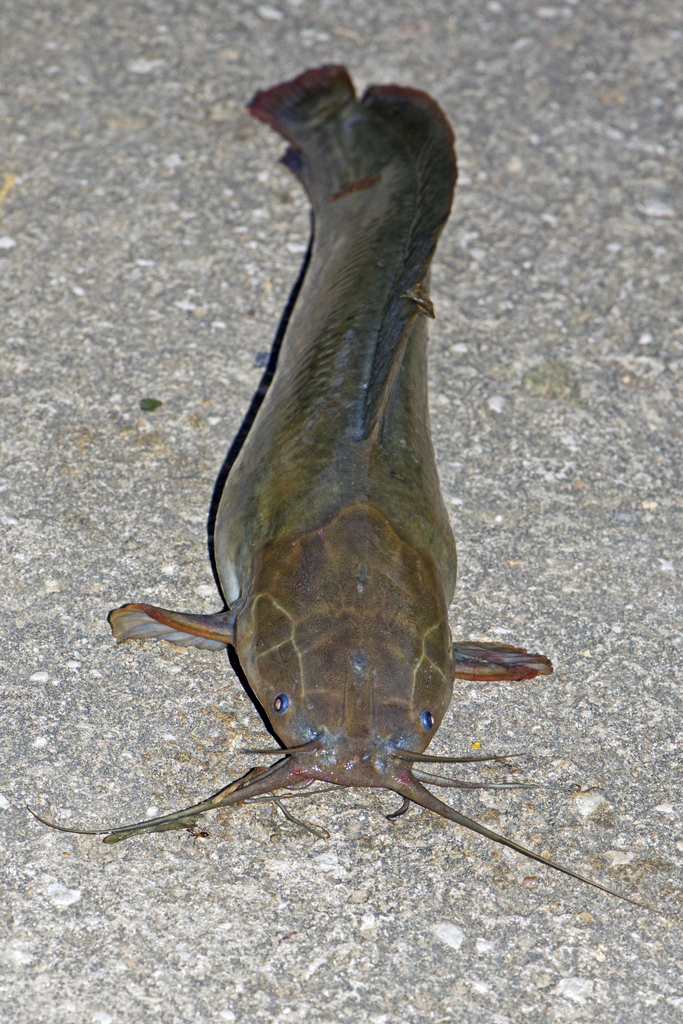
(148, 242)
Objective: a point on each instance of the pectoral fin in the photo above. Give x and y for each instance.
(145, 622)
(489, 661)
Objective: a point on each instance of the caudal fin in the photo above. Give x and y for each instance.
(380, 172)
(341, 145)
(315, 95)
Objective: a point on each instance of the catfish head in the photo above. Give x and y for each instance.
(345, 641)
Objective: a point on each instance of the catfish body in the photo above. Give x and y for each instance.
(332, 541)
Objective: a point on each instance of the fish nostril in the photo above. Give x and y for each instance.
(427, 719)
(281, 703)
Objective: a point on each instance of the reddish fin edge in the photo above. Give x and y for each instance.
(493, 662)
(271, 105)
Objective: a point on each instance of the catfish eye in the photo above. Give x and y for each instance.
(281, 703)
(427, 719)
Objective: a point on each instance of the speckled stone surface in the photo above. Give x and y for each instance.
(148, 242)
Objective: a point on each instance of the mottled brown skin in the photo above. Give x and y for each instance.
(332, 542)
(352, 624)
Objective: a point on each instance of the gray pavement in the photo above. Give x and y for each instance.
(148, 242)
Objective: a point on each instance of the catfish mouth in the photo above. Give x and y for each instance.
(362, 764)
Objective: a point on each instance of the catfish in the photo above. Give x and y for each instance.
(333, 545)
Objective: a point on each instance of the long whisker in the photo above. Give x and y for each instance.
(290, 796)
(413, 790)
(402, 810)
(410, 755)
(442, 780)
(255, 783)
(187, 819)
(314, 744)
(317, 830)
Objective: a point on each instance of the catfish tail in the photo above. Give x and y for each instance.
(380, 173)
